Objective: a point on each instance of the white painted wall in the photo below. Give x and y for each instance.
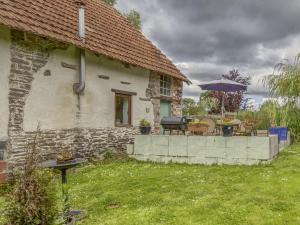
(4, 74)
(53, 103)
(51, 100)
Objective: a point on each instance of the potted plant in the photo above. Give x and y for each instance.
(227, 127)
(145, 126)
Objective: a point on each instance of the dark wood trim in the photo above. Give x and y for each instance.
(123, 92)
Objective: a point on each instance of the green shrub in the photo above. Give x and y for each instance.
(33, 199)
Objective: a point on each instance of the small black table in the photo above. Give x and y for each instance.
(63, 167)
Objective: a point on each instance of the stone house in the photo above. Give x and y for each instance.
(80, 71)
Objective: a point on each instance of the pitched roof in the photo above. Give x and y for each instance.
(107, 31)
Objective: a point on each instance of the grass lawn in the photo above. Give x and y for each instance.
(146, 193)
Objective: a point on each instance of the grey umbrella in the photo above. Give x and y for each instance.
(223, 85)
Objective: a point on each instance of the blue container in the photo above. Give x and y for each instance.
(281, 132)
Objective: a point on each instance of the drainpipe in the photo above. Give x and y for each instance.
(79, 87)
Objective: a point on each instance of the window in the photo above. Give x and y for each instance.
(123, 110)
(165, 85)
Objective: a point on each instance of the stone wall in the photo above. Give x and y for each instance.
(153, 93)
(85, 142)
(24, 63)
(177, 88)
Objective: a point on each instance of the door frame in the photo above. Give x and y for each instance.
(129, 97)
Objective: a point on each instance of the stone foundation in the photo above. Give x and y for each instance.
(83, 141)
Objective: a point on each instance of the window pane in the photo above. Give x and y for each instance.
(122, 110)
(165, 85)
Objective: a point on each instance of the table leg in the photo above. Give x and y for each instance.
(69, 215)
(64, 176)
(65, 196)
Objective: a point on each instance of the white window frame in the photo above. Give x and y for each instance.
(165, 85)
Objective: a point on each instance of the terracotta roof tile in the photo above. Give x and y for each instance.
(107, 31)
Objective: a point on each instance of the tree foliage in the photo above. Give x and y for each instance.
(110, 2)
(134, 18)
(284, 84)
(285, 81)
(190, 107)
(268, 115)
(232, 101)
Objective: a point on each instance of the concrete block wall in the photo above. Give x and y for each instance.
(204, 149)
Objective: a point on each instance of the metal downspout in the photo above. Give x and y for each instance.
(79, 87)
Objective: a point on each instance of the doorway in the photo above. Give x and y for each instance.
(165, 111)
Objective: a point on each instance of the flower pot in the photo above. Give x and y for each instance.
(145, 130)
(227, 130)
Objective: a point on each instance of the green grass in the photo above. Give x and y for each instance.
(147, 193)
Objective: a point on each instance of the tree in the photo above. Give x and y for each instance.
(134, 18)
(208, 103)
(232, 101)
(110, 2)
(284, 83)
(190, 107)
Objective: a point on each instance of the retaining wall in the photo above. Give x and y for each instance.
(204, 149)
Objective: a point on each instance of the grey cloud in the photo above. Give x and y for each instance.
(204, 76)
(248, 34)
(192, 93)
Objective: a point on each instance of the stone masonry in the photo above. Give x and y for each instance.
(24, 63)
(84, 142)
(153, 93)
(177, 88)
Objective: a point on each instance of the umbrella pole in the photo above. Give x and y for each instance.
(222, 105)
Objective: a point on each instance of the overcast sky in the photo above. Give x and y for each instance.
(207, 38)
